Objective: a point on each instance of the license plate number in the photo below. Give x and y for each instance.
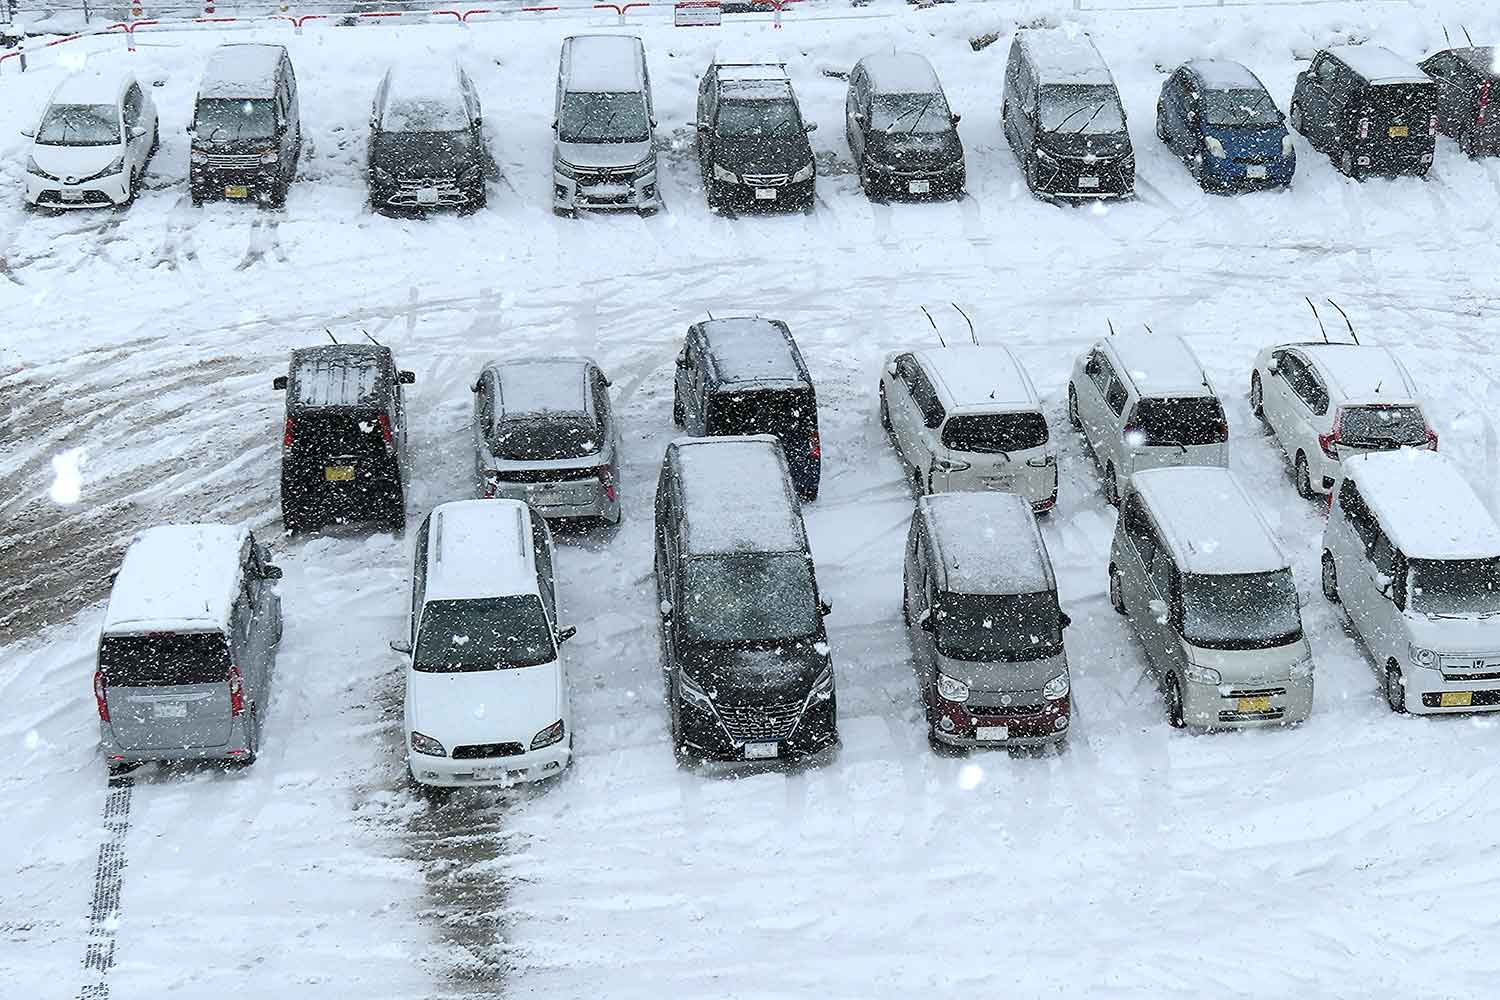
(919, 187)
(427, 196)
(1249, 706)
(992, 732)
(236, 191)
(1088, 182)
(1255, 172)
(1400, 131)
(765, 194)
(170, 710)
(488, 773)
(760, 751)
(1456, 699)
(72, 195)
(339, 473)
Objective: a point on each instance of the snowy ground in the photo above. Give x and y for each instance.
(1352, 856)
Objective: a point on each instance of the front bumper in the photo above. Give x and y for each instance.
(924, 182)
(426, 193)
(954, 724)
(792, 194)
(1425, 689)
(616, 190)
(1234, 173)
(101, 191)
(235, 748)
(534, 765)
(1247, 706)
(704, 734)
(209, 182)
(1083, 180)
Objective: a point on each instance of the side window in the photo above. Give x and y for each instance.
(926, 399)
(1383, 554)
(135, 102)
(1138, 528)
(1163, 574)
(541, 542)
(419, 575)
(484, 403)
(1115, 397)
(1358, 515)
(1100, 370)
(1027, 84)
(1324, 70)
(601, 401)
(239, 623)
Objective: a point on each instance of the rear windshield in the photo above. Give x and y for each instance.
(1191, 420)
(164, 659)
(1382, 427)
(782, 412)
(345, 433)
(1240, 610)
(995, 432)
(1405, 99)
(750, 598)
(998, 627)
(547, 439)
(1458, 587)
(492, 633)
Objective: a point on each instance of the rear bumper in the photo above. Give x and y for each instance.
(570, 498)
(307, 491)
(1381, 158)
(1037, 484)
(535, 765)
(235, 748)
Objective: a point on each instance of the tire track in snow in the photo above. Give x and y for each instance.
(109, 878)
(263, 240)
(178, 246)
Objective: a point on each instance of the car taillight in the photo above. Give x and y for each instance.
(236, 691)
(100, 689)
(814, 445)
(286, 435)
(490, 485)
(1431, 439)
(606, 481)
(1432, 124)
(385, 430)
(1364, 128)
(1484, 102)
(1224, 430)
(1329, 442)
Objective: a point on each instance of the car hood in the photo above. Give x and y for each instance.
(603, 154)
(74, 161)
(484, 706)
(1245, 142)
(1002, 676)
(1456, 636)
(781, 155)
(738, 676)
(1252, 667)
(1105, 147)
(899, 149)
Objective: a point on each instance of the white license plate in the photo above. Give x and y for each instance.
(427, 196)
(1088, 182)
(919, 187)
(1255, 172)
(760, 751)
(992, 732)
(765, 194)
(72, 195)
(170, 710)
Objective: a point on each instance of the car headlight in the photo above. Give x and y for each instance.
(1202, 675)
(691, 692)
(1286, 145)
(552, 734)
(427, 745)
(1423, 657)
(1215, 147)
(1042, 155)
(196, 155)
(805, 173)
(1042, 461)
(115, 166)
(643, 168)
(269, 157)
(32, 168)
(822, 688)
(382, 175)
(1056, 688)
(949, 464)
(727, 176)
(952, 689)
(564, 167)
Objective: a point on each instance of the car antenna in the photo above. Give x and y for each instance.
(1466, 35)
(972, 335)
(1346, 321)
(1148, 329)
(710, 313)
(1111, 325)
(1446, 40)
(934, 326)
(330, 335)
(370, 338)
(1316, 317)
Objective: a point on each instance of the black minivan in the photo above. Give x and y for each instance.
(1468, 98)
(343, 446)
(745, 375)
(745, 651)
(247, 129)
(751, 139)
(1369, 109)
(426, 141)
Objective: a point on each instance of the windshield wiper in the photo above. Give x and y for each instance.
(1067, 118)
(1085, 125)
(607, 123)
(925, 106)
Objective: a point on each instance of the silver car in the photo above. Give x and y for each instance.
(544, 434)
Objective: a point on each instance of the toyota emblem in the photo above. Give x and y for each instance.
(1005, 699)
(72, 180)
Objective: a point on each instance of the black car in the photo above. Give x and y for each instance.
(748, 670)
(1369, 109)
(426, 141)
(343, 446)
(1466, 77)
(1062, 116)
(752, 142)
(902, 135)
(745, 375)
(247, 129)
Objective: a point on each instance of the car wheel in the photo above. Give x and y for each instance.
(1161, 132)
(1330, 579)
(278, 194)
(808, 495)
(1466, 144)
(395, 513)
(1395, 688)
(1116, 592)
(1174, 702)
(197, 197)
(119, 769)
(1257, 397)
(678, 417)
(292, 521)
(905, 607)
(918, 487)
(1347, 165)
(252, 741)
(1073, 418)
(1294, 116)
(1300, 474)
(1111, 486)
(885, 413)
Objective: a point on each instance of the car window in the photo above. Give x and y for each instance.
(1164, 575)
(1115, 397)
(542, 546)
(135, 102)
(926, 398)
(1138, 528)
(1358, 515)
(1099, 370)
(1324, 70)
(601, 400)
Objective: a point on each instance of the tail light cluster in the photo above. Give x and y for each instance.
(385, 432)
(100, 690)
(1329, 442)
(490, 485)
(288, 434)
(1484, 102)
(814, 445)
(1432, 124)
(1364, 128)
(1431, 439)
(236, 692)
(606, 481)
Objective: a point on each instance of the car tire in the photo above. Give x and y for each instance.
(1111, 486)
(1173, 696)
(1161, 132)
(808, 496)
(918, 487)
(292, 520)
(1466, 144)
(1116, 591)
(1347, 166)
(119, 769)
(678, 417)
(393, 518)
(1302, 477)
(1329, 578)
(1073, 418)
(1395, 688)
(252, 741)
(197, 197)
(1294, 117)
(278, 194)
(1257, 397)
(885, 414)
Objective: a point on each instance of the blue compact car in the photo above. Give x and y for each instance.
(1219, 120)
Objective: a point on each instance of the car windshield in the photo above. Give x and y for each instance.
(757, 119)
(1007, 627)
(1240, 108)
(1382, 427)
(749, 598)
(492, 633)
(1240, 610)
(1091, 109)
(221, 119)
(164, 659)
(1190, 420)
(424, 152)
(1458, 587)
(545, 439)
(80, 125)
(597, 117)
(910, 113)
(995, 432)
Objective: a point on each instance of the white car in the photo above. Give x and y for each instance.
(968, 418)
(92, 144)
(1326, 402)
(486, 694)
(1413, 554)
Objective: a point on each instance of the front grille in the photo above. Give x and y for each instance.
(233, 161)
(1477, 699)
(767, 180)
(1005, 709)
(89, 198)
(1257, 692)
(545, 475)
(602, 176)
(1493, 675)
(421, 183)
(478, 751)
(747, 723)
(1269, 715)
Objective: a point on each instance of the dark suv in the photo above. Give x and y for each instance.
(1369, 109)
(1466, 79)
(247, 131)
(752, 142)
(426, 141)
(343, 447)
(744, 375)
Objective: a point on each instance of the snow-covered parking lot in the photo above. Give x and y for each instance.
(1351, 856)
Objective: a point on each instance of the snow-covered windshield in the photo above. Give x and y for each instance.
(494, 633)
(1240, 610)
(749, 597)
(1382, 427)
(910, 113)
(757, 119)
(998, 627)
(164, 659)
(596, 117)
(223, 119)
(1091, 109)
(1240, 108)
(80, 125)
(995, 432)
(426, 114)
(533, 439)
(1455, 586)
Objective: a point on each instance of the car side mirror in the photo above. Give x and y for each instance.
(891, 369)
(113, 574)
(271, 572)
(955, 118)
(1158, 610)
(474, 387)
(824, 608)
(926, 623)
(1064, 619)
(608, 382)
(564, 634)
(279, 382)
(665, 607)
(138, 132)
(652, 121)
(554, 124)
(859, 118)
(810, 127)
(682, 361)
(401, 647)
(703, 126)
(1272, 368)
(1383, 584)
(408, 378)
(29, 133)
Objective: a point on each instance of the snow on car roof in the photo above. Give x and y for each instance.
(1378, 64)
(479, 548)
(987, 543)
(748, 474)
(604, 64)
(901, 73)
(751, 349)
(751, 71)
(1424, 504)
(987, 377)
(1208, 521)
(338, 375)
(177, 577)
(90, 86)
(1485, 59)
(425, 99)
(1362, 373)
(1064, 57)
(1224, 74)
(542, 385)
(241, 69)
(1160, 364)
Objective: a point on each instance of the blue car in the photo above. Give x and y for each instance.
(1219, 120)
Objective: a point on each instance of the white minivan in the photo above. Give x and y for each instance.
(605, 154)
(1414, 556)
(92, 144)
(1196, 570)
(486, 693)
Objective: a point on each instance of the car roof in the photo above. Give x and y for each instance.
(1424, 504)
(424, 98)
(177, 577)
(241, 69)
(478, 549)
(533, 386)
(1207, 520)
(745, 473)
(1377, 64)
(1223, 74)
(901, 73)
(753, 81)
(749, 349)
(92, 86)
(986, 543)
(1159, 364)
(605, 64)
(1062, 56)
(1485, 59)
(985, 377)
(347, 375)
(1362, 372)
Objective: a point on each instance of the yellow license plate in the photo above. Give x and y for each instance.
(239, 191)
(1249, 706)
(1455, 699)
(1400, 131)
(338, 473)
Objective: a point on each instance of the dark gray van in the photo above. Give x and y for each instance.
(187, 648)
(426, 140)
(748, 672)
(247, 130)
